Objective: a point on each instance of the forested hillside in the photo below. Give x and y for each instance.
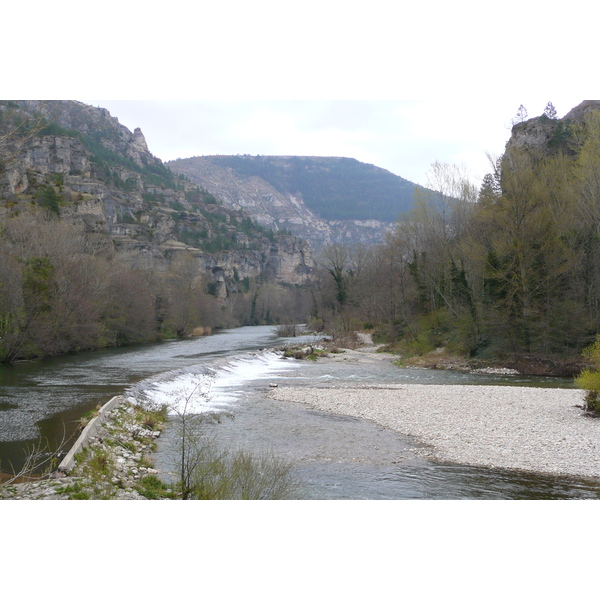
(333, 188)
(323, 200)
(101, 244)
(510, 270)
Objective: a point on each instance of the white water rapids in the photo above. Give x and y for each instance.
(211, 388)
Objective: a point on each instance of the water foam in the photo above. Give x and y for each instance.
(210, 387)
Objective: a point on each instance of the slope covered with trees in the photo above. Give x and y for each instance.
(101, 244)
(510, 271)
(332, 188)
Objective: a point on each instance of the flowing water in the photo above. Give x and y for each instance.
(45, 399)
(334, 457)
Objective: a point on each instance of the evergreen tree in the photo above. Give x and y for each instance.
(520, 116)
(550, 111)
(488, 190)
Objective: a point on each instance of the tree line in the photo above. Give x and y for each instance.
(509, 269)
(63, 289)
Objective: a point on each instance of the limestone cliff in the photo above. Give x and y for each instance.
(82, 164)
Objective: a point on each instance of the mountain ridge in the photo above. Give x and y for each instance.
(318, 198)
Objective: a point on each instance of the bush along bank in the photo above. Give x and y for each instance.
(116, 463)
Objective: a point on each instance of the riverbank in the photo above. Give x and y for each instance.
(537, 365)
(536, 430)
(531, 429)
(114, 461)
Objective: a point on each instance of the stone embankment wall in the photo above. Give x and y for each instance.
(110, 459)
(90, 430)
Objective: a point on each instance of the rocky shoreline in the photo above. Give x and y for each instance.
(531, 429)
(543, 430)
(113, 466)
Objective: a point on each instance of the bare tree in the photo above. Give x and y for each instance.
(41, 460)
(550, 111)
(189, 443)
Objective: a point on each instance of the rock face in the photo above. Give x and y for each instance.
(543, 134)
(533, 133)
(48, 155)
(99, 172)
(97, 123)
(578, 113)
(281, 207)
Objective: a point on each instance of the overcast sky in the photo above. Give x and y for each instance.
(394, 85)
(403, 136)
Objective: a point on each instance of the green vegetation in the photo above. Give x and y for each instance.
(589, 379)
(505, 273)
(244, 476)
(307, 352)
(333, 188)
(48, 198)
(152, 488)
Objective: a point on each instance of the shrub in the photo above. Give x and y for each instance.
(286, 330)
(589, 379)
(48, 198)
(241, 475)
(153, 488)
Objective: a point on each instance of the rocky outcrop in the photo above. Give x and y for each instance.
(48, 155)
(96, 171)
(544, 135)
(534, 133)
(288, 261)
(359, 232)
(578, 113)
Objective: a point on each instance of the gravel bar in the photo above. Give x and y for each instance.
(531, 429)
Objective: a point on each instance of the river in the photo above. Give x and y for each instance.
(334, 457)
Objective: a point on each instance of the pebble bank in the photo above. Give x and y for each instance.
(530, 429)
